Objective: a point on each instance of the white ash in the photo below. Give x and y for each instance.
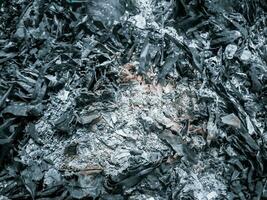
(109, 143)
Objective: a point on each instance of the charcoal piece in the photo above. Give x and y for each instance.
(250, 141)
(40, 90)
(254, 74)
(189, 14)
(167, 66)
(129, 177)
(145, 57)
(71, 150)
(63, 123)
(21, 110)
(263, 52)
(5, 96)
(178, 145)
(87, 98)
(31, 130)
(224, 38)
(30, 177)
(7, 138)
(6, 56)
(191, 53)
(53, 192)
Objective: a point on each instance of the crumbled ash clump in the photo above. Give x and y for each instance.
(125, 132)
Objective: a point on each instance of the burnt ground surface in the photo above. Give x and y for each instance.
(134, 99)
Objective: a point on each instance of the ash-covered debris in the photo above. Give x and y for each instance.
(136, 99)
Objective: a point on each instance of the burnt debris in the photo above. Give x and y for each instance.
(134, 99)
